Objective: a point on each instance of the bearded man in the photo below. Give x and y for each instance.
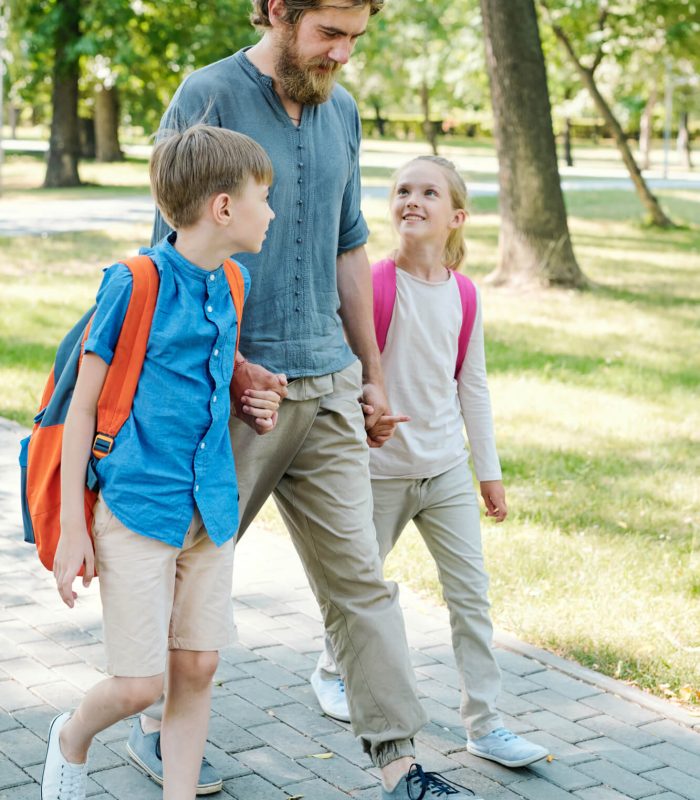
(310, 283)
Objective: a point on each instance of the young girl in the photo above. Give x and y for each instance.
(421, 472)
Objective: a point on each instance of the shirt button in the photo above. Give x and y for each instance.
(298, 259)
(213, 399)
(209, 309)
(216, 352)
(212, 277)
(299, 240)
(297, 277)
(297, 309)
(202, 445)
(300, 221)
(300, 164)
(300, 202)
(196, 488)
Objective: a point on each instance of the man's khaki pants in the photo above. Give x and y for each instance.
(316, 465)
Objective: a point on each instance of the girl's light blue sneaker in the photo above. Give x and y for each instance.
(419, 785)
(507, 748)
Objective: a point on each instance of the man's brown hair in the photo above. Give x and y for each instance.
(188, 167)
(295, 9)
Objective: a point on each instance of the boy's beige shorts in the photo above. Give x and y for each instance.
(156, 597)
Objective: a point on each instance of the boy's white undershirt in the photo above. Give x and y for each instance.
(419, 361)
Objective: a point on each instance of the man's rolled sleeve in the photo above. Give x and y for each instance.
(353, 230)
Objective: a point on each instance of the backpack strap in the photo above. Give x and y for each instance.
(467, 294)
(117, 397)
(384, 287)
(236, 284)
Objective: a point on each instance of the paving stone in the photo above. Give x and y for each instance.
(9, 650)
(237, 654)
(515, 684)
(8, 721)
(81, 675)
(240, 711)
(600, 793)
(35, 614)
(480, 784)
(19, 632)
(443, 674)
(346, 745)
(120, 730)
(11, 774)
(419, 658)
(497, 772)
(673, 756)
(261, 693)
(304, 720)
(623, 780)
(23, 747)
(286, 739)
(664, 796)
(537, 789)
(433, 760)
(444, 741)
(514, 704)
(444, 653)
(230, 737)
(619, 731)
(14, 696)
(27, 671)
(569, 687)
(676, 781)
(563, 775)
(675, 734)
(274, 766)
(128, 782)
(519, 725)
(339, 772)
(28, 791)
(254, 618)
(633, 760)
(289, 659)
(517, 664)
(253, 787)
(562, 751)
(301, 622)
(558, 726)
(315, 790)
(550, 700)
(272, 674)
(442, 715)
(623, 710)
(51, 654)
(227, 766)
(60, 694)
(438, 691)
(66, 634)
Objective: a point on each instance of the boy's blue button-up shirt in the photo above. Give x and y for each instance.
(291, 323)
(174, 450)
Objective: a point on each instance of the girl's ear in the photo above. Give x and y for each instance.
(459, 218)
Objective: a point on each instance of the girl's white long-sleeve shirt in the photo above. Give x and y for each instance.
(419, 361)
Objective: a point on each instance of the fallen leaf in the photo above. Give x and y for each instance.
(550, 758)
(322, 755)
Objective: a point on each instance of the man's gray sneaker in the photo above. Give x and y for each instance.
(419, 785)
(60, 779)
(144, 750)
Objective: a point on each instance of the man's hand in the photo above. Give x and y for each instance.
(248, 377)
(374, 404)
(384, 429)
(73, 550)
(494, 495)
(261, 407)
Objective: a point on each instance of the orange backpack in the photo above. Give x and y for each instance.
(40, 453)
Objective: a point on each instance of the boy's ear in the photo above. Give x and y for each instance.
(220, 206)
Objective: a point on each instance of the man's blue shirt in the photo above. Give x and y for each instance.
(174, 449)
(291, 323)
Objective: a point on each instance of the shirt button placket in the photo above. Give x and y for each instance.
(300, 221)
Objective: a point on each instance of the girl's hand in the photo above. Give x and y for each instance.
(74, 549)
(494, 495)
(261, 406)
(384, 429)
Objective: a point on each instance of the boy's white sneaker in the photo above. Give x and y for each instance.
(507, 748)
(331, 696)
(61, 780)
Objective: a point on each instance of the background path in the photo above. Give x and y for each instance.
(267, 736)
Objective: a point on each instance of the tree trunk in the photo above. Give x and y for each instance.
(107, 125)
(428, 128)
(64, 143)
(646, 129)
(649, 201)
(683, 142)
(379, 121)
(568, 154)
(534, 243)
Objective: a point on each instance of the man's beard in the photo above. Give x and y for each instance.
(301, 80)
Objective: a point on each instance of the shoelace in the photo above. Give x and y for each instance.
(433, 781)
(505, 734)
(341, 685)
(71, 782)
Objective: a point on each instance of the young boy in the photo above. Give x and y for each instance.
(167, 510)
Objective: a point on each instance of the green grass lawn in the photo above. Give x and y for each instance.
(595, 396)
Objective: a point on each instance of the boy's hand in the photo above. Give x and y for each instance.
(384, 428)
(249, 376)
(74, 549)
(494, 495)
(262, 407)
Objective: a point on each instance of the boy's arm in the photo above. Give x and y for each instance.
(74, 545)
(355, 292)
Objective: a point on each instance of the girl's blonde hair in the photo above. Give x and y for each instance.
(455, 247)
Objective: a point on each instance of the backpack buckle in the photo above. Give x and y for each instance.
(102, 446)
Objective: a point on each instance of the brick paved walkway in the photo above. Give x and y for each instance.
(267, 736)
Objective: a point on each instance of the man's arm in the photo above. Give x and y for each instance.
(355, 292)
(248, 377)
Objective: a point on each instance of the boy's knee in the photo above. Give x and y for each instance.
(140, 693)
(195, 666)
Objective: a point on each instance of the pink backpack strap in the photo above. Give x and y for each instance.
(467, 294)
(384, 286)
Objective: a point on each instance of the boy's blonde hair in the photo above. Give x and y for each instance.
(455, 248)
(188, 167)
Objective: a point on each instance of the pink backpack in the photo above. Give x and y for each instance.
(384, 285)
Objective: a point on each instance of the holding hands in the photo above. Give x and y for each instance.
(256, 394)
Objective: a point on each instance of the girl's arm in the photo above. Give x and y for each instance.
(74, 545)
